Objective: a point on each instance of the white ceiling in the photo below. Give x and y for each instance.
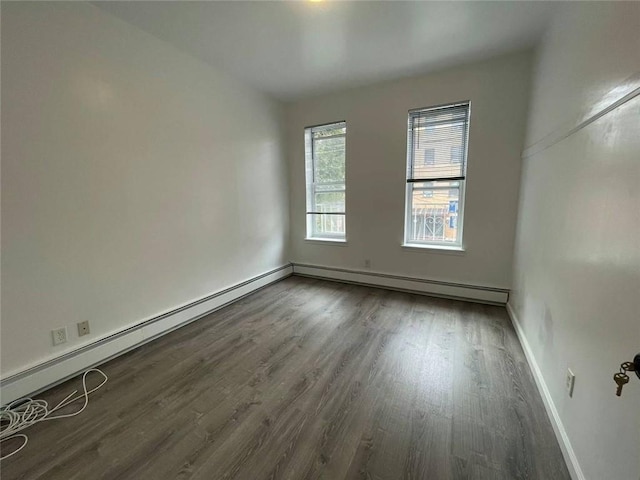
(296, 49)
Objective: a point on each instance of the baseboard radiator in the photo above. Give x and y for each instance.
(59, 369)
(457, 291)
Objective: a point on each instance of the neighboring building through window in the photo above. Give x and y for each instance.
(325, 174)
(435, 188)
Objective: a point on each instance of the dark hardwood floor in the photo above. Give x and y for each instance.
(310, 379)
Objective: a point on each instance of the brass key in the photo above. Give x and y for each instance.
(620, 379)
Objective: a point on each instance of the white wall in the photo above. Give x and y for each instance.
(577, 274)
(376, 119)
(134, 178)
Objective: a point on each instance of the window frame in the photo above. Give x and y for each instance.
(445, 183)
(311, 186)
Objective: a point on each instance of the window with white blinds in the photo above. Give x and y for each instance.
(325, 147)
(436, 174)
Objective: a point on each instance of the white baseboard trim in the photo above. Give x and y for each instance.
(457, 291)
(561, 434)
(57, 370)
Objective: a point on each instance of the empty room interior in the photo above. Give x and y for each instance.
(320, 240)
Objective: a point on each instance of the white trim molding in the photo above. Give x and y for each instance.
(627, 90)
(561, 434)
(57, 370)
(435, 288)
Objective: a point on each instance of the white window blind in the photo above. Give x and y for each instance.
(325, 147)
(437, 142)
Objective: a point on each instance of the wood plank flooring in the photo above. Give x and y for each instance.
(308, 379)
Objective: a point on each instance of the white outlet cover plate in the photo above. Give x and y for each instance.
(83, 328)
(59, 335)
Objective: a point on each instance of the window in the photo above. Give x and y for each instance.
(456, 154)
(429, 156)
(325, 174)
(435, 188)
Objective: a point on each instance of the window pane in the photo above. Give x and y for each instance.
(434, 212)
(441, 149)
(329, 202)
(437, 142)
(329, 159)
(327, 225)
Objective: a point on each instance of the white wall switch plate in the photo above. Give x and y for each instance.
(570, 382)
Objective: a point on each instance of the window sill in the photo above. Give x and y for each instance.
(327, 241)
(446, 249)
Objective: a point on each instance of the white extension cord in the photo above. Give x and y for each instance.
(20, 414)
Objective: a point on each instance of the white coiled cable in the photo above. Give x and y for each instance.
(20, 414)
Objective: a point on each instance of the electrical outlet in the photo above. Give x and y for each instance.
(570, 382)
(59, 335)
(83, 328)
(367, 263)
